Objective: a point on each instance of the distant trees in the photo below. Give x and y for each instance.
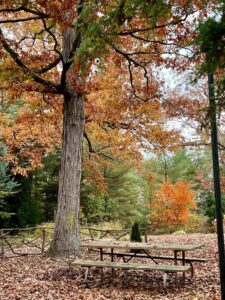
(35, 198)
(8, 186)
(120, 201)
(125, 194)
(184, 167)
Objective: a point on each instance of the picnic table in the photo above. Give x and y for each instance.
(129, 250)
(136, 248)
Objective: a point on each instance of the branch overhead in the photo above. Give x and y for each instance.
(19, 20)
(25, 68)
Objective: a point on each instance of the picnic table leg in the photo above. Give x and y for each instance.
(102, 276)
(192, 269)
(112, 259)
(86, 276)
(149, 256)
(101, 254)
(175, 262)
(183, 262)
(164, 280)
(101, 258)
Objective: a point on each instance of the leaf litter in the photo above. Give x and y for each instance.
(44, 278)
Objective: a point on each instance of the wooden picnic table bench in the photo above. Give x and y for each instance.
(130, 266)
(130, 255)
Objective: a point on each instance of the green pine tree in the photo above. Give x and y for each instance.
(135, 233)
(8, 186)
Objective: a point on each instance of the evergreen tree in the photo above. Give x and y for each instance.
(169, 167)
(8, 186)
(28, 211)
(46, 186)
(182, 166)
(135, 233)
(36, 199)
(124, 199)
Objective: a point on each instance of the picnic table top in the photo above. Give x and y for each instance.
(132, 245)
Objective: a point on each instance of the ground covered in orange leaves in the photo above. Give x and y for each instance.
(39, 278)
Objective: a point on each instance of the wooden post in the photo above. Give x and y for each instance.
(90, 231)
(146, 236)
(43, 241)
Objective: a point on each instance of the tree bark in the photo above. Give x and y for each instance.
(66, 239)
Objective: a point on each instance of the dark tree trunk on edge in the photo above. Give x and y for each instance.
(66, 239)
(217, 189)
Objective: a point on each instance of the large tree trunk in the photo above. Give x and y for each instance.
(66, 239)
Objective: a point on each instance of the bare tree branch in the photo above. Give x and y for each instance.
(135, 30)
(91, 150)
(19, 20)
(160, 42)
(11, 10)
(50, 66)
(54, 38)
(136, 64)
(25, 9)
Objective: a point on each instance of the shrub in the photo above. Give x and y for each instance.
(172, 205)
(198, 223)
(135, 233)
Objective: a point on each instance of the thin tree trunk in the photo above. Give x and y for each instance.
(66, 239)
(165, 168)
(217, 188)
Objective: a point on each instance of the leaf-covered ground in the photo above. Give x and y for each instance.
(39, 278)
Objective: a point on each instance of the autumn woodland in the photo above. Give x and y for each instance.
(112, 114)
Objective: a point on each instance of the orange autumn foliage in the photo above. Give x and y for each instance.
(117, 124)
(30, 130)
(172, 203)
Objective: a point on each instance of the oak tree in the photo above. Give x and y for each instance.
(51, 47)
